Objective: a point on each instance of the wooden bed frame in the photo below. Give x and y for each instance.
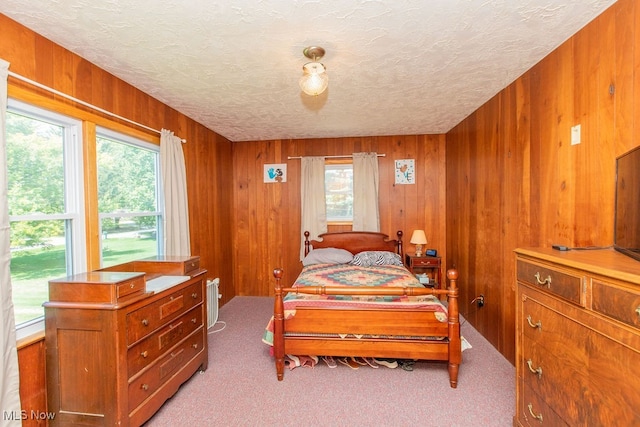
(398, 322)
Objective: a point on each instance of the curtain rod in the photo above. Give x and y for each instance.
(331, 157)
(79, 101)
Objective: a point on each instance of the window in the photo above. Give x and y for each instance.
(338, 184)
(128, 198)
(45, 195)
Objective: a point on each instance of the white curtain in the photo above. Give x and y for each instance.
(9, 375)
(314, 209)
(174, 188)
(366, 216)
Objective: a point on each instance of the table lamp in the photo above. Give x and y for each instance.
(418, 238)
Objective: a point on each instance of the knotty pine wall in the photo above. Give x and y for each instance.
(267, 216)
(514, 179)
(207, 156)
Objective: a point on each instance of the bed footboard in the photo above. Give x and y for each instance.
(443, 342)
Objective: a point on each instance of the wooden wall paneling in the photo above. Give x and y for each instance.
(601, 229)
(33, 391)
(627, 59)
(241, 201)
(589, 60)
(563, 160)
(632, 141)
(493, 214)
(46, 59)
(458, 197)
(412, 199)
(546, 183)
(552, 192)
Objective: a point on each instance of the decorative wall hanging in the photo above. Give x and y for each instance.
(276, 172)
(405, 171)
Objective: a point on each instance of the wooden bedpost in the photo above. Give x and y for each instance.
(400, 248)
(307, 245)
(278, 325)
(455, 348)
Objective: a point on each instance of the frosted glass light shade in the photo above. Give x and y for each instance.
(315, 79)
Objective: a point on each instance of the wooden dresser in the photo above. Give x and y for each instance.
(119, 343)
(577, 338)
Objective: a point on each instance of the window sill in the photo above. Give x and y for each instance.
(30, 333)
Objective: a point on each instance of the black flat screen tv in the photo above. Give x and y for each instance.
(627, 213)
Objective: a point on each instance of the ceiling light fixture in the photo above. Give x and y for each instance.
(315, 79)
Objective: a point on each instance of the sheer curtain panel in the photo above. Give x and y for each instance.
(314, 209)
(366, 216)
(174, 188)
(9, 376)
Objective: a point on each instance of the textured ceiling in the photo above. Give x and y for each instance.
(395, 67)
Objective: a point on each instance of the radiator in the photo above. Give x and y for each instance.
(212, 301)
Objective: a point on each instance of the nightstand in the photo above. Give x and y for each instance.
(431, 265)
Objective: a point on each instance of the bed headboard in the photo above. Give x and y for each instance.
(355, 241)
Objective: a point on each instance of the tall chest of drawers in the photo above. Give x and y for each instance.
(577, 338)
(118, 345)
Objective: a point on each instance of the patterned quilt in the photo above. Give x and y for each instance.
(353, 275)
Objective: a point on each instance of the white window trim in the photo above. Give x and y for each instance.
(159, 213)
(74, 197)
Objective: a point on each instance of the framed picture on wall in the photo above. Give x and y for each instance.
(405, 171)
(276, 172)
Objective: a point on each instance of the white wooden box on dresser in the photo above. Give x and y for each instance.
(577, 338)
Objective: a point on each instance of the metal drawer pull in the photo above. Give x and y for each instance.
(144, 354)
(131, 285)
(145, 386)
(538, 417)
(638, 310)
(546, 281)
(145, 322)
(194, 345)
(194, 295)
(537, 371)
(537, 325)
(193, 320)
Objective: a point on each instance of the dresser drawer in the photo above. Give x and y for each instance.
(425, 262)
(618, 303)
(565, 285)
(144, 321)
(134, 286)
(552, 330)
(147, 350)
(535, 412)
(557, 379)
(151, 380)
(168, 265)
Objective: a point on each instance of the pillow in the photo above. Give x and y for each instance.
(371, 258)
(328, 256)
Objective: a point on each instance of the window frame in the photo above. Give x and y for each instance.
(119, 137)
(74, 194)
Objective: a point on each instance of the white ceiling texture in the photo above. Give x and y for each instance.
(396, 67)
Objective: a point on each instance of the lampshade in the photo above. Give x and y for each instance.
(315, 79)
(418, 237)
